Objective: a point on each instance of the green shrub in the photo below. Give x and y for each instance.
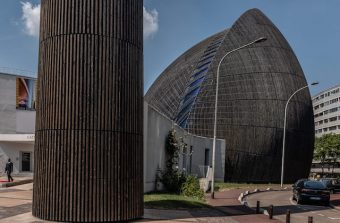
(191, 188)
(173, 180)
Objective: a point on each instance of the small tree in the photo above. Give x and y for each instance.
(320, 154)
(327, 148)
(172, 177)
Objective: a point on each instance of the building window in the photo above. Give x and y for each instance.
(332, 128)
(191, 94)
(25, 94)
(197, 82)
(200, 72)
(209, 53)
(333, 110)
(333, 119)
(205, 59)
(325, 129)
(334, 100)
(203, 65)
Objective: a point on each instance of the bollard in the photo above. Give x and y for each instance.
(271, 211)
(258, 207)
(310, 219)
(288, 216)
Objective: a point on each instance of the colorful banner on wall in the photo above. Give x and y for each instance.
(25, 93)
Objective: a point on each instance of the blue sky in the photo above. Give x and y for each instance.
(312, 27)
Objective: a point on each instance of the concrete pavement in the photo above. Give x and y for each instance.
(16, 203)
(335, 201)
(299, 213)
(18, 180)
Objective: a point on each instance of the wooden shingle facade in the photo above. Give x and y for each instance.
(255, 84)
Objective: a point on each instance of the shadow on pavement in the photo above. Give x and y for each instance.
(336, 202)
(281, 210)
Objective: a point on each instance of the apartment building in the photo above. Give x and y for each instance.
(326, 106)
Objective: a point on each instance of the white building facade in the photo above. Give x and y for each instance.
(17, 122)
(17, 128)
(327, 111)
(194, 159)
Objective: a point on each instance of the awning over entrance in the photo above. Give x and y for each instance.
(16, 137)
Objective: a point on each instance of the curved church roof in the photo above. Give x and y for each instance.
(255, 83)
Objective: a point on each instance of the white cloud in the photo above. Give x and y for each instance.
(150, 22)
(31, 18)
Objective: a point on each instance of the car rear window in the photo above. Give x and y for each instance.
(314, 185)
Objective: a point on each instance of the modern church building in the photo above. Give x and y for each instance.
(254, 85)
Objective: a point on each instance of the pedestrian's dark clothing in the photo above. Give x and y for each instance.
(9, 170)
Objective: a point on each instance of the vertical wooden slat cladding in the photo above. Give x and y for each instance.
(89, 127)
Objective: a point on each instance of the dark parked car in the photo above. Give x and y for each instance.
(305, 190)
(332, 184)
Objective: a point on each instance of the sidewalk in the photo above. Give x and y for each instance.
(335, 201)
(16, 204)
(18, 180)
(227, 202)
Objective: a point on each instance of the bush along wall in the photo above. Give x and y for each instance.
(174, 180)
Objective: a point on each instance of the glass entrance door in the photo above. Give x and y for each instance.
(26, 161)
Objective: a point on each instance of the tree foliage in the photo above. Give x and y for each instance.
(327, 149)
(172, 177)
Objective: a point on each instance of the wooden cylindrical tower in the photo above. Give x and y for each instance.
(89, 129)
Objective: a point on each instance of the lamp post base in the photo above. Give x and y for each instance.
(212, 195)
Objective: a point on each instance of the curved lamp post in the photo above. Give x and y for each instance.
(284, 128)
(261, 39)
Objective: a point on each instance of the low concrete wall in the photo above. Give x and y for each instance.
(156, 130)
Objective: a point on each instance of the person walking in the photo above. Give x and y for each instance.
(9, 170)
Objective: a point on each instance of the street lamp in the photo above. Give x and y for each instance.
(261, 39)
(284, 128)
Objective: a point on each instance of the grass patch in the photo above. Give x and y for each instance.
(172, 201)
(226, 186)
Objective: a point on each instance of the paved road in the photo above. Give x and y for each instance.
(282, 200)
